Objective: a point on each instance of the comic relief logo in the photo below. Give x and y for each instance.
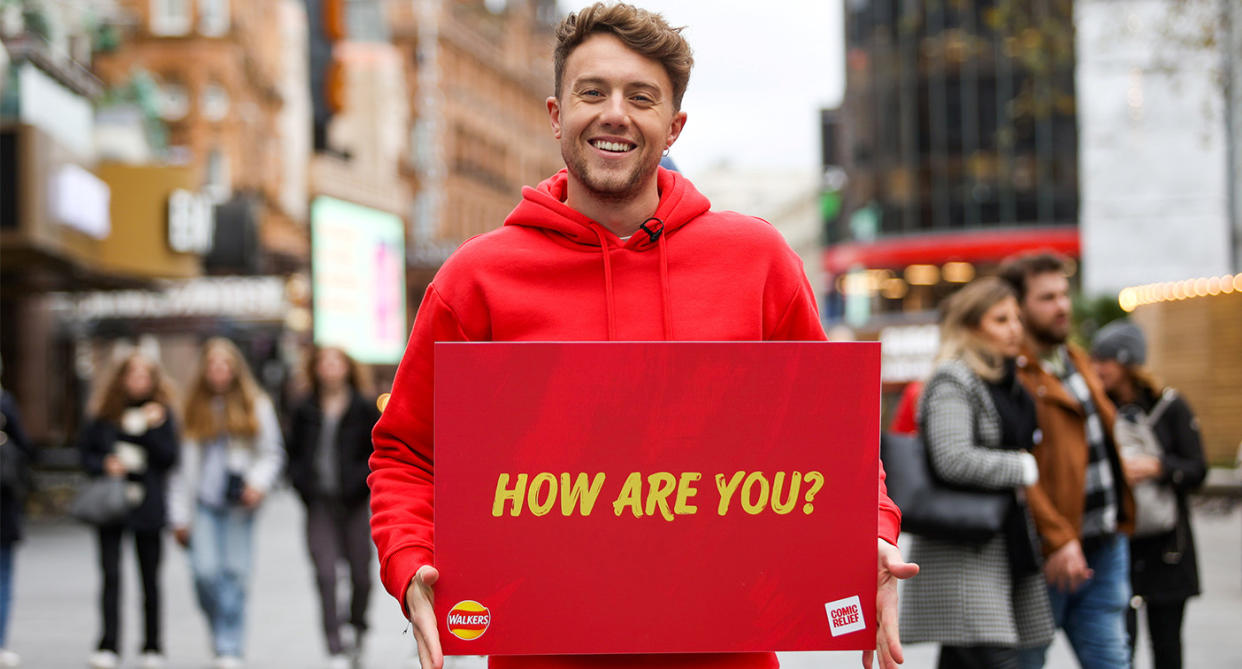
(845, 616)
(469, 619)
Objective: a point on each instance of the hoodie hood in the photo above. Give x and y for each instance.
(544, 207)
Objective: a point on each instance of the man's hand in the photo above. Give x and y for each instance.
(418, 601)
(892, 568)
(1066, 569)
(1139, 468)
(182, 535)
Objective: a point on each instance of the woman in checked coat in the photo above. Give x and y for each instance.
(980, 601)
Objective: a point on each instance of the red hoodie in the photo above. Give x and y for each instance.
(552, 274)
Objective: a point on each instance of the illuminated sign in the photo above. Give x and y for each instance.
(358, 267)
(191, 222)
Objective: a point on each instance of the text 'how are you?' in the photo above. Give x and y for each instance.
(662, 494)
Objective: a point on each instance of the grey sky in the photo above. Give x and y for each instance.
(762, 71)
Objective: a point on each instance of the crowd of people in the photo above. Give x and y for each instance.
(1099, 457)
(201, 469)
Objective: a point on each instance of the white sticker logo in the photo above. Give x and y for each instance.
(845, 616)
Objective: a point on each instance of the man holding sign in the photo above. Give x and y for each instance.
(613, 248)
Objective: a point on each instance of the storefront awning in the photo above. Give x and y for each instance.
(975, 246)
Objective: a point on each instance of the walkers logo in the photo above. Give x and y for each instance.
(468, 620)
(845, 616)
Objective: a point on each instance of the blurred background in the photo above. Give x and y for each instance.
(290, 171)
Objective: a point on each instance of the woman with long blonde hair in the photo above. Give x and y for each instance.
(982, 602)
(231, 456)
(132, 435)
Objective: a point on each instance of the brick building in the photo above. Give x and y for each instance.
(478, 79)
(230, 94)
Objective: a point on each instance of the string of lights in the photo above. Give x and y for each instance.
(1169, 291)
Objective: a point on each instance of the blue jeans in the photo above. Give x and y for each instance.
(1094, 616)
(220, 559)
(6, 591)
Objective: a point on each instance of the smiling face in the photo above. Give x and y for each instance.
(614, 119)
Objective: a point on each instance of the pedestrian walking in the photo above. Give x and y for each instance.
(16, 453)
(132, 434)
(1082, 504)
(1162, 457)
(980, 601)
(328, 447)
(230, 457)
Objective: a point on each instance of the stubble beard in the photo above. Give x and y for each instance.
(1047, 336)
(609, 187)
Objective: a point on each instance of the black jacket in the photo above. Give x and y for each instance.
(1164, 568)
(162, 445)
(353, 449)
(22, 453)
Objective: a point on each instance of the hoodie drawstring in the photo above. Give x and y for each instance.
(668, 309)
(610, 303)
(656, 234)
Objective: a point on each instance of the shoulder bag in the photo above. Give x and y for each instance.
(931, 508)
(102, 501)
(1155, 503)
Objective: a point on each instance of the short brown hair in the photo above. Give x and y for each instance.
(1018, 269)
(641, 30)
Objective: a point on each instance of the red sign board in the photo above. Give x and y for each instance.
(656, 497)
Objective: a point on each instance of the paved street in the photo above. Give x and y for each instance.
(55, 620)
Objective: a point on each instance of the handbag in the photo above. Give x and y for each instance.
(931, 508)
(102, 501)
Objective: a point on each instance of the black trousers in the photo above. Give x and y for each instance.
(334, 533)
(148, 546)
(1164, 624)
(978, 657)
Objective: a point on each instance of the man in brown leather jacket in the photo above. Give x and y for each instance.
(1082, 505)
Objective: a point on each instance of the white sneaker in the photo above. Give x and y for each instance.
(103, 659)
(228, 662)
(151, 660)
(9, 659)
(339, 662)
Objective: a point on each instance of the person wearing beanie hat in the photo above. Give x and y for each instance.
(1122, 341)
(1163, 568)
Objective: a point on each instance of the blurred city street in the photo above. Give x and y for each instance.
(56, 621)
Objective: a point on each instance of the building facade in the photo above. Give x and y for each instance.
(479, 79)
(958, 144)
(228, 88)
(1160, 146)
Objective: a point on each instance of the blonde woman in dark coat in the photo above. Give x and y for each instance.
(984, 601)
